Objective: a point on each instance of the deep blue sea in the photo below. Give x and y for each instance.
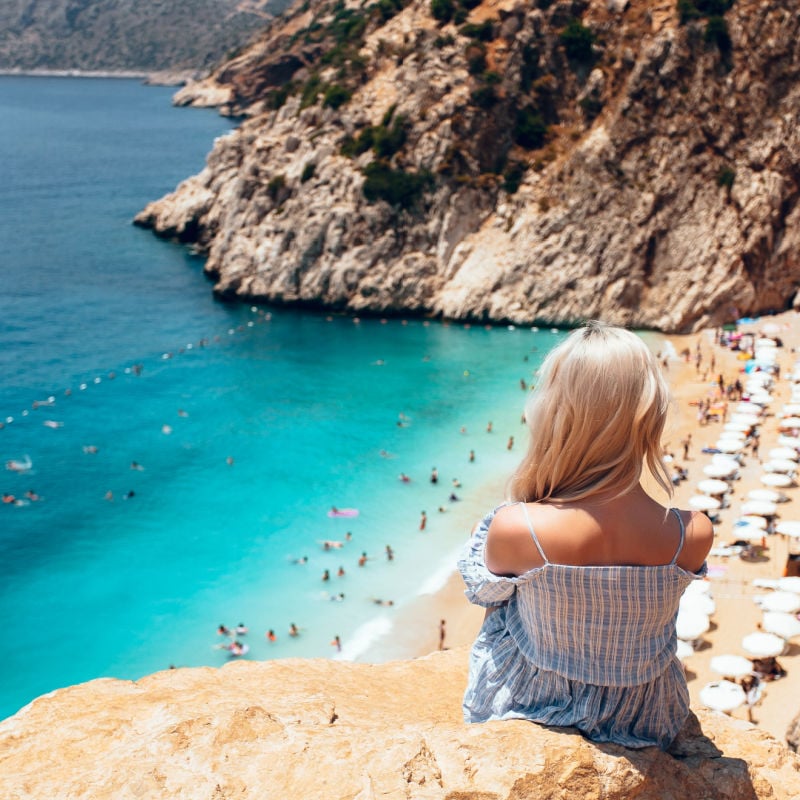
(247, 424)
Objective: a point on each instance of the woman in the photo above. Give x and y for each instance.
(582, 575)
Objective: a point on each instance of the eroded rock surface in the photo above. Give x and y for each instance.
(324, 729)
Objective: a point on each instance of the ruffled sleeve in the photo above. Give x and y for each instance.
(484, 588)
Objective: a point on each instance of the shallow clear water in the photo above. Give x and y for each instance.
(302, 405)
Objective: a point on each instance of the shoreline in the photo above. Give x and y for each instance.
(149, 78)
(732, 589)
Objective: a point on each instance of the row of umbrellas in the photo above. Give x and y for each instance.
(780, 605)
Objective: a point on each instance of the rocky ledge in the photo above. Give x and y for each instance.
(507, 161)
(323, 729)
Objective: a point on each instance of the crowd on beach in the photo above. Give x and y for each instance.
(739, 463)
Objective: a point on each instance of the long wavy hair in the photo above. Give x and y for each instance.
(596, 418)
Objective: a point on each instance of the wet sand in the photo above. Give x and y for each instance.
(731, 578)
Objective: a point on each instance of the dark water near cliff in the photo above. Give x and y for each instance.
(302, 404)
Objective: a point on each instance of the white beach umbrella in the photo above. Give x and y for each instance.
(747, 533)
(789, 409)
(737, 426)
(698, 587)
(776, 479)
(789, 441)
(752, 521)
(730, 445)
(731, 666)
(788, 423)
(722, 696)
(781, 465)
(764, 342)
(770, 495)
(684, 650)
(691, 625)
(769, 328)
(700, 603)
(702, 502)
(746, 407)
(763, 645)
(720, 470)
(787, 626)
(759, 508)
(713, 486)
(786, 602)
(789, 527)
(784, 453)
(760, 398)
(790, 584)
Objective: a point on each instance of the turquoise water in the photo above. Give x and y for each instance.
(273, 416)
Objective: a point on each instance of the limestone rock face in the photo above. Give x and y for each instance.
(322, 729)
(660, 189)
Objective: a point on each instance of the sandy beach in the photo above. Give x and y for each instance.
(730, 577)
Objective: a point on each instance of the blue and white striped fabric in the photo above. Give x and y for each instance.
(587, 647)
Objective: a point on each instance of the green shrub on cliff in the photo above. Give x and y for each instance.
(530, 129)
(442, 10)
(398, 188)
(578, 40)
(335, 96)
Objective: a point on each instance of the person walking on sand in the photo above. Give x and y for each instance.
(442, 634)
(337, 643)
(582, 571)
(686, 443)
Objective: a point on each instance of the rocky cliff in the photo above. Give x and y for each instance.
(137, 35)
(322, 729)
(507, 160)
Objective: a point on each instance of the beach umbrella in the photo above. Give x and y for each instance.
(790, 584)
(776, 479)
(720, 470)
(691, 624)
(722, 696)
(746, 407)
(784, 453)
(786, 602)
(759, 508)
(789, 409)
(789, 527)
(684, 650)
(780, 465)
(763, 645)
(771, 328)
(788, 422)
(702, 502)
(736, 426)
(730, 445)
(760, 398)
(700, 603)
(752, 521)
(787, 626)
(698, 587)
(770, 495)
(763, 342)
(713, 486)
(731, 666)
(747, 533)
(789, 441)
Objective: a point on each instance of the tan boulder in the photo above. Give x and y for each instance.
(324, 729)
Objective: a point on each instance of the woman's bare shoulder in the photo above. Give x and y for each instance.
(509, 546)
(698, 542)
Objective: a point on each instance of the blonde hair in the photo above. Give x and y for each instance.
(596, 418)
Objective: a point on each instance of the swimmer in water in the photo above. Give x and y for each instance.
(337, 643)
(389, 553)
(301, 560)
(404, 478)
(241, 629)
(90, 449)
(137, 466)
(270, 635)
(223, 630)
(379, 602)
(294, 630)
(362, 560)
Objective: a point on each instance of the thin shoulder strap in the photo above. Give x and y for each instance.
(533, 532)
(683, 535)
